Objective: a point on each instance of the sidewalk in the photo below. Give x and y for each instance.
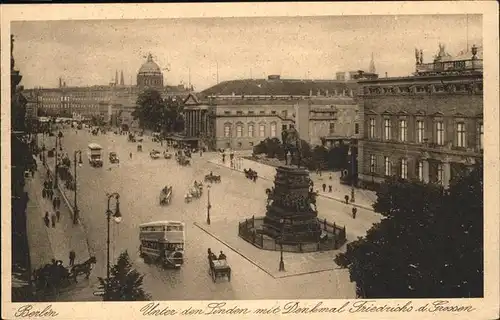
(48, 243)
(364, 198)
(296, 264)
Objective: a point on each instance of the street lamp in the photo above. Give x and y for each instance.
(351, 155)
(209, 206)
(117, 217)
(282, 264)
(76, 215)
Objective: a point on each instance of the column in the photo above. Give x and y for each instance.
(446, 173)
(425, 170)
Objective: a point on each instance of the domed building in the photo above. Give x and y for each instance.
(150, 75)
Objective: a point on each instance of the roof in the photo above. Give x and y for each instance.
(94, 146)
(162, 222)
(150, 67)
(294, 87)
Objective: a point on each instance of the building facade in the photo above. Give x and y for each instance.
(115, 101)
(241, 122)
(428, 126)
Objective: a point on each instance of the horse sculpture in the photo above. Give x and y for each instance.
(83, 268)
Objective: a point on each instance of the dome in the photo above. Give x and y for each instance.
(150, 67)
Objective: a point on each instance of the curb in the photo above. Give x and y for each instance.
(233, 249)
(321, 195)
(72, 212)
(255, 264)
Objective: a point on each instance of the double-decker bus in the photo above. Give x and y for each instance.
(95, 155)
(162, 241)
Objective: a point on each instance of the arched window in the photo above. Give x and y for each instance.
(262, 130)
(239, 130)
(251, 129)
(273, 129)
(227, 130)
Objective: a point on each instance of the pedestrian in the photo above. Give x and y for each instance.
(51, 193)
(72, 256)
(32, 173)
(44, 192)
(346, 198)
(58, 202)
(48, 173)
(58, 215)
(330, 177)
(330, 188)
(130, 155)
(53, 218)
(324, 187)
(354, 211)
(223, 158)
(46, 219)
(54, 203)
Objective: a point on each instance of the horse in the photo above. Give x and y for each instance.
(83, 268)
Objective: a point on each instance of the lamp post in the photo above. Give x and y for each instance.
(209, 206)
(117, 217)
(282, 263)
(351, 155)
(76, 215)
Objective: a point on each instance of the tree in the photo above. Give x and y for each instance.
(149, 109)
(125, 283)
(429, 243)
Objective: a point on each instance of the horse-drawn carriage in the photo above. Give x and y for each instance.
(212, 178)
(183, 160)
(218, 267)
(166, 195)
(195, 192)
(54, 276)
(167, 155)
(250, 174)
(154, 154)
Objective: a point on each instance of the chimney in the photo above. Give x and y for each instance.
(310, 92)
(318, 93)
(60, 82)
(386, 74)
(326, 93)
(122, 81)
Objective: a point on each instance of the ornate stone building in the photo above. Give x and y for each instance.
(114, 101)
(428, 126)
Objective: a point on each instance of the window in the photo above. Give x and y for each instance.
(273, 112)
(356, 128)
(420, 131)
(251, 144)
(239, 113)
(250, 130)
(262, 130)
(404, 168)
(251, 112)
(403, 130)
(273, 129)
(461, 135)
(372, 163)
(387, 129)
(227, 112)
(227, 130)
(372, 128)
(262, 112)
(420, 170)
(283, 127)
(387, 166)
(440, 172)
(481, 131)
(440, 133)
(239, 130)
(240, 144)
(332, 128)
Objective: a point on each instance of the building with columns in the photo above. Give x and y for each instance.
(427, 126)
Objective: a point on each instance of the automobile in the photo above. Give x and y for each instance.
(154, 154)
(113, 157)
(167, 155)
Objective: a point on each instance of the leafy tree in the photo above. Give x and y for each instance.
(149, 109)
(429, 243)
(125, 283)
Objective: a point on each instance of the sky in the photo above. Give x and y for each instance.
(88, 52)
